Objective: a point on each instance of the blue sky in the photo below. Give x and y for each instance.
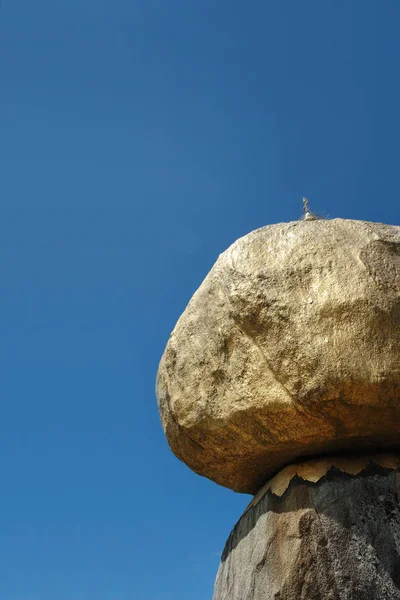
(138, 139)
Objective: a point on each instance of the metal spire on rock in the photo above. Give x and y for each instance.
(308, 215)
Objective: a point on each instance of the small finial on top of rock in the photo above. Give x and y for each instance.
(308, 215)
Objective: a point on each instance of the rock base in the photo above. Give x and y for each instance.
(337, 538)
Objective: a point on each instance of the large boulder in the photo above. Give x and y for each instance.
(331, 535)
(290, 347)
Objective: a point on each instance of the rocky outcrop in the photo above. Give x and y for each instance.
(290, 348)
(326, 534)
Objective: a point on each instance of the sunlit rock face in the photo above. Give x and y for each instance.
(290, 347)
(330, 532)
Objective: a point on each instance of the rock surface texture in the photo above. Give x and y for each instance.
(290, 347)
(337, 539)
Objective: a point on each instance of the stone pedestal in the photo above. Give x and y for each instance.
(318, 532)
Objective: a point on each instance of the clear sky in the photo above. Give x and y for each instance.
(138, 139)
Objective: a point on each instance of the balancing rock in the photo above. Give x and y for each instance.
(289, 348)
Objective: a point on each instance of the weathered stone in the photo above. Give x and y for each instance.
(290, 347)
(337, 539)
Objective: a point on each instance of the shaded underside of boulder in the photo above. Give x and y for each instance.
(336, 539)
(290, 348)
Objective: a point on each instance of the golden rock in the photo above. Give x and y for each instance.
(290, 348)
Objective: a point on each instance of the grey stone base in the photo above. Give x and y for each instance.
(337, 539)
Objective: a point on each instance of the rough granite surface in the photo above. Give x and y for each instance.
(337, 539)
(290, 348)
